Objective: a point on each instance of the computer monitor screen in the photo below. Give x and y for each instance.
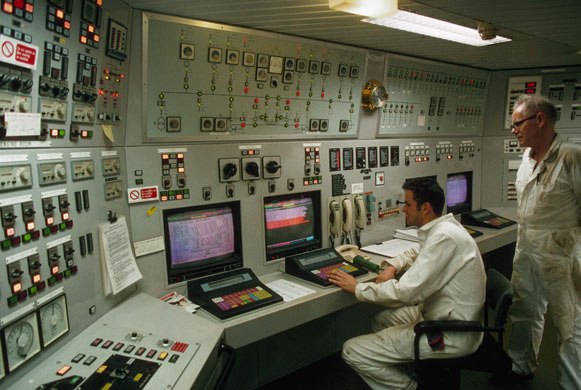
(292, 224)
(459, 192)
(202, 240)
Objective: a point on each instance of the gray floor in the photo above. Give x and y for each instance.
(332, 373)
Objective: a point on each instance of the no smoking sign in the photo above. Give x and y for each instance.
(18, 53)
(142, 194)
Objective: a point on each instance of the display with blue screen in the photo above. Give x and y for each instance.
(202, 240)
(459, 192)
(292, 224)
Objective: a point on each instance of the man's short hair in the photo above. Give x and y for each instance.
(426, 190)
(535, 104)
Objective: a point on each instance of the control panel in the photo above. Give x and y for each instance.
(207, 82)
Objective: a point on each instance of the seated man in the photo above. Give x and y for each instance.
(444, 280)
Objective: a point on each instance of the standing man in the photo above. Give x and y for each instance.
(546, 267)
(444, 280)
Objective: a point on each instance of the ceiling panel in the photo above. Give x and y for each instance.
(544, 33)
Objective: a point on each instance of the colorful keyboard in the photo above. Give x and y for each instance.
(324, 272)
(241, 298)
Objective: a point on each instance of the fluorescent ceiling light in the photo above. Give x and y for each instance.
(371, 8)
(419, 24)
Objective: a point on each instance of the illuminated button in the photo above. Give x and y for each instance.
(30, 226)
(16, 288)
(26, 237)
(36, 234)
(296, 125)
(63, 370)
(9, 232)
(66, 216)
(32, 290)
(35, 278)
(49, 220)
(162, 356)
(54, 270)
(15, 241)
(13, 300)
(298, 93)
(7, 7)
(54, 228)
(62, 226)
(67, 273)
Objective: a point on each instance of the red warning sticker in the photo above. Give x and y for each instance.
(15, 52)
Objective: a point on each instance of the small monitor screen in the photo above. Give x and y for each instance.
(292, 224)
(202, 240)
(459, 192)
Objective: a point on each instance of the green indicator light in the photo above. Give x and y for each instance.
(161, 96)
(33, 290)
(171, 193)
(352, 105)
(51, 280)
(213, 87)
(139, 182)
(286, 125)
(231, 98)
(186, 86)
(280, 117)
(278, 98)
(308, 103)
(330, 100)
(230, 90)
(5, 244)
(90, 133)
(46, 231)
(63, 226)
(255, 124)
(67, 272)
(267, 97)
(186, 191)
(61, 133)
(199, 93)
(350, 97)
(262, 117)
(340, 96)
(27, 237)
(12, 300)
(310, 94)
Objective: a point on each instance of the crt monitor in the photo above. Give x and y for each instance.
(202, 240)
(292, 224)
(459, 192)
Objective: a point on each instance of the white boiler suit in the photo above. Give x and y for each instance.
(445, 280)
(546, 268)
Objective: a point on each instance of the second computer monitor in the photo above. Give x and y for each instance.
(459, 192)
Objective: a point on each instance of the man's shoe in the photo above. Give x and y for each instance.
(509, 378)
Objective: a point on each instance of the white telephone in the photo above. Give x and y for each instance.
(348, 252)
(347, 215)
(334, 217)
(359, 212)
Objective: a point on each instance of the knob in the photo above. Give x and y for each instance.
(59, 171)
(165, 341)
(291, 185)
(229, 170)
(35, 264)
(91, 114)
(78, 94)
(133, 334)
(9, 217)
(16, 273)
(70, 251)
(272, 167)
(64, 204)
(49, 207)
(89, 169)
(30, 212)
(24, 175)
(15, 83)
(24, 106)
(55, 256)
(55, 91)
(64, 92)
(61, 110)
(252, 169)
(45, 87)
(75, 133)
(27, 85)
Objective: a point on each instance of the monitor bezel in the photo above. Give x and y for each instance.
(316, 243)
(182, 273)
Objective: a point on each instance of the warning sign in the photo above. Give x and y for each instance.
(142, 194)
(15, 52)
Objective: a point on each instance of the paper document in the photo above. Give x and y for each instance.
(407, 234)
(288, 290)
(391, 248)
(117, 262)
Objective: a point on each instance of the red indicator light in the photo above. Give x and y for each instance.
(296, 125)
(180, 155)
(324, 51)
(84, 40)
(49, 220)
(530, 91)
(67, 25)
(54, 270)
(306, 182)
(66, 216)
(165, 156)
(255, 100)
(317, 149)
(243, 125)
(96, 39)
(317, 160)
(298, 93)
(471, 81)
(530, 84)
(121, 76)
(245, 40)
(288, 102)
(35, 278)
(412, 107)
(322, 95)
(100, 3)
(315, 181)
(298, 48)
(449, 157)
(29, 8)
(8, 8)
(101, 92)
(16, 288)
(60, 14)
(30, 226)
(413, 73)
(179, 196)
(9, 232)
(164, 198)
(19, 3)
(106, 71)
(63, 370)
(91, 29)
(181, 170)
(54, 132)
(246, 90)
(308, 150)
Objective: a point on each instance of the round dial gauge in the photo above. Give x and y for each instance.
(21, 340)
(54, 321)
(373, 96)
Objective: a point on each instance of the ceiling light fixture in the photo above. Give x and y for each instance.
(419, 24)
(371, 8)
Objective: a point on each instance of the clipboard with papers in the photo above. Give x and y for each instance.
(403, 240)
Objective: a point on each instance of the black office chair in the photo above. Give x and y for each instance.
(490, 355)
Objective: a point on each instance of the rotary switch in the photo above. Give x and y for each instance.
(272, 167)
(229, 170)
(252, 169)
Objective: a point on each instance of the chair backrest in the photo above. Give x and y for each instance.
(499, 292)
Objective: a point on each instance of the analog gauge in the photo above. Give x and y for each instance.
(373, 96)
(54, 321)
(21, 340)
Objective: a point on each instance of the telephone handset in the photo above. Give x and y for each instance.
(347, 215)
(348, 252)
(334, 217)
(359, 212)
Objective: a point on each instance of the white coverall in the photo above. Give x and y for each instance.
(546, 268)
(445, 280)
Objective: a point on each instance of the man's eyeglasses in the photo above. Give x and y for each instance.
(517, 124)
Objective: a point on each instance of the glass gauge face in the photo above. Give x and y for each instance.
(54, 321)
(22, 341)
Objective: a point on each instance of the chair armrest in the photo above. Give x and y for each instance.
(456, 325)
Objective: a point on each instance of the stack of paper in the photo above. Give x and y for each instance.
(407, 234)
(391, 248)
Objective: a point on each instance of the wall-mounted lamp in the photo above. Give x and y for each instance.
(371, 8)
